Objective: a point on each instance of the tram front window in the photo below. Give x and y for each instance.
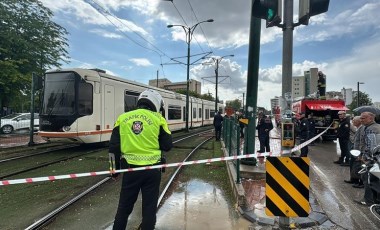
(59, 94)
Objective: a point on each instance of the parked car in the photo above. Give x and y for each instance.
(17, 121)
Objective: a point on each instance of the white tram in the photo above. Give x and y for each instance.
(82, 105)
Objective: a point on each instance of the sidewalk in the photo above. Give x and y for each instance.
(14, 140)
(250, 193)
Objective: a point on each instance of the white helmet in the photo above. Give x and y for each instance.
(151, 99)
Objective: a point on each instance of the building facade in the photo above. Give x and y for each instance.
(164, 83)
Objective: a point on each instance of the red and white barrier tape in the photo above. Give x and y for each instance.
(71, 176)
(77, 175)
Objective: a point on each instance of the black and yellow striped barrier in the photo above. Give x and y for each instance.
(287, 186)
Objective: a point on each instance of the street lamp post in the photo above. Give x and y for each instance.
(217, 61)
(358, 94)
(189, 35)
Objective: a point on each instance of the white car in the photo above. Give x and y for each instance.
(17, 121)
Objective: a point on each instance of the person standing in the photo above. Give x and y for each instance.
(370, 128)
(357, 143)
(343, 134)
(311, 128)
(303, 133)
(218, 120)
(263, 127)
(241, 125)
(137, 140)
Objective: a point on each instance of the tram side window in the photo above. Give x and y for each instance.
(174, 112)
(212, 113)
(200, 112)
(194, 112)
(85, 99)
(207, 114)
(130, 100)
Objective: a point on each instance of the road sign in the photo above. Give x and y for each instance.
(287, 186)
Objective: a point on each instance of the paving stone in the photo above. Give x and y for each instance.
(304, 222)
(327, 225)
(266, 220)
(318, 217)
(251, 216)
(316, 208)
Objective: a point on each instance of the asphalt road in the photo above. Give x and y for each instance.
(334, 195)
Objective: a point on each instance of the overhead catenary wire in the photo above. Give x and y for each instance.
(200, 26)
(105, 12)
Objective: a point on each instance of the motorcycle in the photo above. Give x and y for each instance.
(372, 167)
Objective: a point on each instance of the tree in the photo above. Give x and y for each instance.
(30, 42)
(235, 104)
(363, 100)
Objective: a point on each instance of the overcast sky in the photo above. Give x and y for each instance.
(130, 39)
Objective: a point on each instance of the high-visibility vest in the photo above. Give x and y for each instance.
(139, 130)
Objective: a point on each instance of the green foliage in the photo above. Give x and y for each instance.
(235, 104)
(30, 42)
(364, 99)
(195, 94)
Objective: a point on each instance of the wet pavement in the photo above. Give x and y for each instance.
(197, 204)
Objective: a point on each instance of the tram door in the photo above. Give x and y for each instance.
(109, 109)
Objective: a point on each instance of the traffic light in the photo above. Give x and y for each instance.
(270, 10)
(309, 8)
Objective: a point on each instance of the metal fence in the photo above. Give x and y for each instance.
(232, 141)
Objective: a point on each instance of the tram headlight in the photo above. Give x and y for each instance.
(66, 128)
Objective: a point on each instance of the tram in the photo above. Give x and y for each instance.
(82, 105)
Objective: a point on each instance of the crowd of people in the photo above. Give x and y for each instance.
(356, 134)
(352, 133)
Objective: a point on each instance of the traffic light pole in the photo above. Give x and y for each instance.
(252, 83)
(287, 73)
(287, 54)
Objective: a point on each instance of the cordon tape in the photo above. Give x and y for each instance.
(77, 175)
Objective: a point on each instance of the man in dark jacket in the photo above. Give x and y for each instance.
(311, 128)
(263, 127)
(303, 132)
(218, 120)
(343, 134)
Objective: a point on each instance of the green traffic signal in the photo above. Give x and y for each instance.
(270, 15)
(270, 10)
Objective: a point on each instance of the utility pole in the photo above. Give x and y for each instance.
(157, 80)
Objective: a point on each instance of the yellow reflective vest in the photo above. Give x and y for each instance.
(139, 130)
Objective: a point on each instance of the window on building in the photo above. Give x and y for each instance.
(194, 112)
(200, 113)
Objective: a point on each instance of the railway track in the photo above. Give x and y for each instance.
(167, 180)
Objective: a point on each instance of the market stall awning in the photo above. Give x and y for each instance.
(320, 106)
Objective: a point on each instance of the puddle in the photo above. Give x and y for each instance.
(196, 204)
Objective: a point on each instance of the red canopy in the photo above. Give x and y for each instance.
(319, 106)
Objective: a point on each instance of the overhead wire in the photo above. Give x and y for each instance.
(200, 26)
(105, 12)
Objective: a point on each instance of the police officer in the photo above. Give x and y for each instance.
(303, 133)
(343, 134)
(137, 140)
